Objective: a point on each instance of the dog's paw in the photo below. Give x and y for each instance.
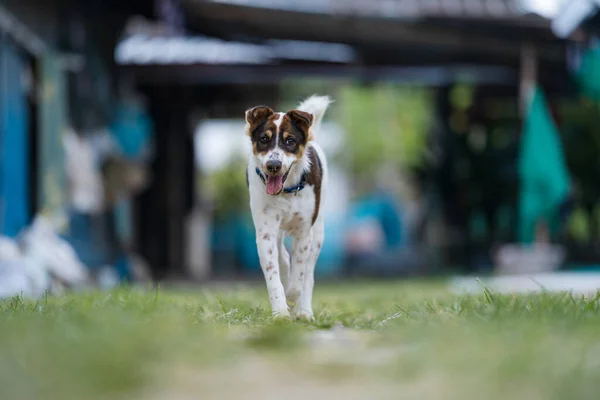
(305, 314)
(292, 295)
(281, 314)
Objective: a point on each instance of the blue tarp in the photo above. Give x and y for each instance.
(14, 142)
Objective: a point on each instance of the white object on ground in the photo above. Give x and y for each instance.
(20, 274)
(107, 278)
(13, 280)
(41, 242)
(513, 259)
(44, 262)
(9, 249)
(575, 282)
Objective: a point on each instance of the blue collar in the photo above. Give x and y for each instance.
(293, 189)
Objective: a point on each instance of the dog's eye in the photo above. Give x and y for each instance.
(290, 142)
(264, 139)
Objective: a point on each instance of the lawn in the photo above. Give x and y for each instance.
(405, 340)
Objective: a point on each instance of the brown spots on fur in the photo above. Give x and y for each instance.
(270, 251)
(266, 236)
(296, 214)
(315, 179)
(305, 248)
(269, 267)
(319, 245)
(298, 261)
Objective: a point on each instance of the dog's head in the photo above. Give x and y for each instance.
(278, 142)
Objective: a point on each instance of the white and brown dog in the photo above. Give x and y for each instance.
(287, 180)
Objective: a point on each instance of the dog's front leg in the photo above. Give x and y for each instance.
(266, 241)
(304, 310)
(301, 245)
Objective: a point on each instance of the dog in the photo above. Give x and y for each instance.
(287, 180)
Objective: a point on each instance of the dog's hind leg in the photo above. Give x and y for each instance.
(304, 309)
(284, 260)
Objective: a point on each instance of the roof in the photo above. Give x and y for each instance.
(388, 8)
(145, 50)
(392, 31)
(262, 41)
(572, 15)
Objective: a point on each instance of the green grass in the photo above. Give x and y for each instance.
(412, 340)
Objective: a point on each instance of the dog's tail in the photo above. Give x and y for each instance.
(315, 105)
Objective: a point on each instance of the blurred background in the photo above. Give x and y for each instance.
(464, 137)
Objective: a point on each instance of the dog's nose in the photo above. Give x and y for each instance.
(273, 166)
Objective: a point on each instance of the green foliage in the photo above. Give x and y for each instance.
(386, 124)
(581, 137)
(293, 91)
(227, 188)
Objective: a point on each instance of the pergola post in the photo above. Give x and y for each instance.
(528, 75)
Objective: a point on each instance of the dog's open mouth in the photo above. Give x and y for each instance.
(275, 183)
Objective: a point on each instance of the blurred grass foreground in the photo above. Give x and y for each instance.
(369, 341)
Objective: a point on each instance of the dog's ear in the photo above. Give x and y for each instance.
(302, 119)
(256, 116)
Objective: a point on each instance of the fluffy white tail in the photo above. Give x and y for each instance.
(316, 105)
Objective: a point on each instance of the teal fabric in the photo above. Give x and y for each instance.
(132, 129)
(382, 207)
(588, 75)
(545, 181)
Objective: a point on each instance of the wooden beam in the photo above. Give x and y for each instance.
(21, 34)
(268, 74)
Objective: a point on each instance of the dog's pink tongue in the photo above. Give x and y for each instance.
(274, 184)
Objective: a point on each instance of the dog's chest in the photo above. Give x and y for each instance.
(295, 210)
